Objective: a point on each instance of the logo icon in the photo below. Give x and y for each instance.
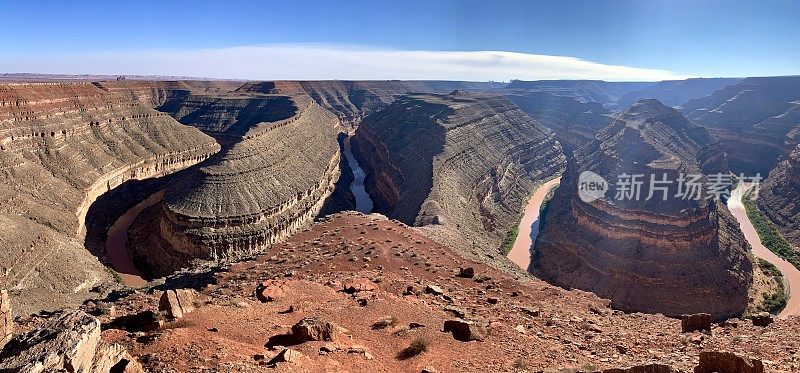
(591, 186)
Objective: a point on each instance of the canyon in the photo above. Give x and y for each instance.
(63, 145)
(194, 225)
(752, 119)
(643, 253)
(425, 168)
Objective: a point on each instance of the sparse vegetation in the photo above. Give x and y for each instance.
(385, 323)
(417, 347)
(769, 235)
(508, 242)
(775, 302)
(114, 274)
(520, 364)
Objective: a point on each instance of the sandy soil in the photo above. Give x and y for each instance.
(790, 272)
(520, 253)
(117, 242)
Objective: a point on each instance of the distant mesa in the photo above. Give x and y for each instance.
(672, 257)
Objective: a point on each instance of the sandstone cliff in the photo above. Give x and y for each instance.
(779, 197)
(352, 100)
(461, 165)
(671, 256)
(61, 146)
(676, 92)
(606, 93)
(269, 182)
(752, 119)
(573, 121)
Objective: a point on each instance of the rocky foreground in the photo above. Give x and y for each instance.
(365, 294)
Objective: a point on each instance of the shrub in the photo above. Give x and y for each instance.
(385, 323)
(417, 347)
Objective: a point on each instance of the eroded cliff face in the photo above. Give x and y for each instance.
(267, 184)
(460, 165)
(573, 121)
(779, 197)
(752, 119)
(672, 256)
(352, 100)
(63, 145)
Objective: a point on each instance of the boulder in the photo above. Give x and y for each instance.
(6, 320)
(287, 355)
(695, 322)
(67, 342)
(467, 272)
(271, 290)
(177, 303)
(727, 362)
(359, 285)
(114, 358)
(762, 319)
(433, 289)
(465, 331)
(457, 312)
(313, 329)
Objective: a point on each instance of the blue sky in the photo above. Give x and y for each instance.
(615, 40)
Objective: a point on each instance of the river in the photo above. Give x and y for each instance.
(520, 253)
(790, 272)
(117, 242)
(363, 201)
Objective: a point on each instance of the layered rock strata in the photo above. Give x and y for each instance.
(61, 146)
(352, 100)
(461, 165)
(779, 197)
(752, 119)
(606, 93)
(675, 256)
(258, 190)
(6, 318)
(573, 121)
(676, 92)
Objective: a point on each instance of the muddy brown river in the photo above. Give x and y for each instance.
(790, 273)
(117, 242)
(520, 253)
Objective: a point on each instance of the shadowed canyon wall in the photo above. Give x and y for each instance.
(573, 121)
(459, 165)
(670, 256)
(270, 181)
(779, 197)
(62, 146)
(752, 119)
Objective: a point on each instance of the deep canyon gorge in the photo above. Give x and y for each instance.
(126, 193)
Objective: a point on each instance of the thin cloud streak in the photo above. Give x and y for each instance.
(320, 62)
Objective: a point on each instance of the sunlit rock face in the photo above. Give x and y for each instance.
(752, 120)
(672, 257)
(61, 146)
(461, 165)
(270, 180)
(352, 100)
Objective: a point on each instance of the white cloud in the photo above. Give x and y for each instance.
(314, 62)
